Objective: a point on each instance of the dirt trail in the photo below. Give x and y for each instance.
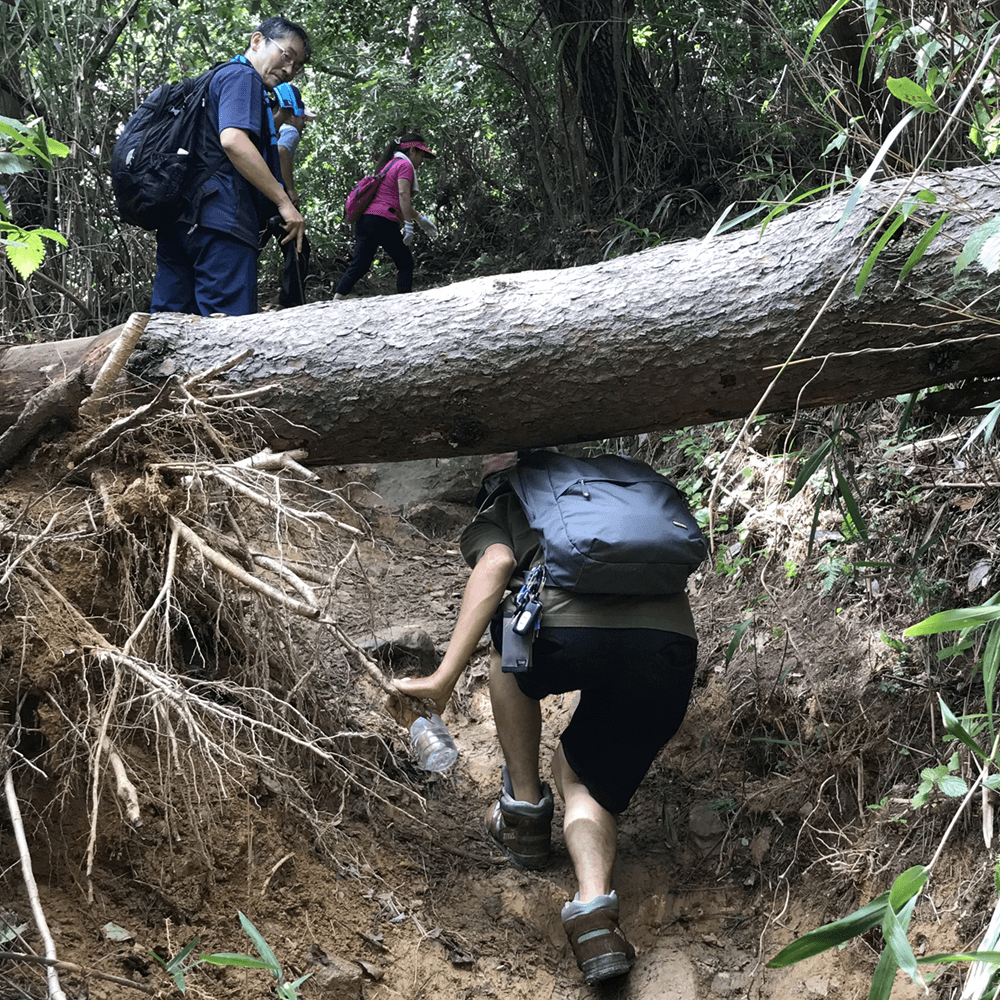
(721, 855)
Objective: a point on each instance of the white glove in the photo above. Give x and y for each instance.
(408, 234)
(427, 226)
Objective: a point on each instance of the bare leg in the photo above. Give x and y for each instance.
(519, 726)
(589, 830)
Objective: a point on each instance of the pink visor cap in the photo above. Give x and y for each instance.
(417, 144)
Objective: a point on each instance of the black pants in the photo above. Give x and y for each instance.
(370, 233)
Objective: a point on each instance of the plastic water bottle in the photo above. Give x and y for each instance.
(435, 746)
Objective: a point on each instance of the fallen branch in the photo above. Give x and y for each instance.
(55, 963)
(60, 400)
(14, 811)
(112, 367)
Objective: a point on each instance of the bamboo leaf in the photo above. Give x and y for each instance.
(907, 885)
(867, 176)
(954, 620)
(921, 248)
(260, 944)
(884, 976)
(857, 518)
(738, 632)
(810, 465)
(833, 934)
(956, 729)
(894, 927)
(235, 959)
(866, 269)
(822, 24)
(986, 957)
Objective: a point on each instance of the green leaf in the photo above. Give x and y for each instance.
(822, 24)
(833, 934)
(956, 729)
(26, 257)
(911, 92)
(866, 269)
(235, 958)
(953, 786)
(974, 244)
(954, 620)
(11, 164)
(810, 465)
(920, 249)
(261, 945)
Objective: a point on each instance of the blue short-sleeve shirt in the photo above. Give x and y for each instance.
(231, 204)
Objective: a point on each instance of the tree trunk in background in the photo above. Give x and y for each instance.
(682, 334)
(601, 63)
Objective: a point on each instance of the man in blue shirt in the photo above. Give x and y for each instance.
(206, 262)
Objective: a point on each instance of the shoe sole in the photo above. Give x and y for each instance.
(596, 970)
(530, 862)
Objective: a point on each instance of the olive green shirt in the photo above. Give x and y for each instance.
(504, 523)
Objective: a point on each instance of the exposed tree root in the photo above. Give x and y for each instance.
(209, 658)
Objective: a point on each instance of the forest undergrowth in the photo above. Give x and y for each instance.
(196, 639)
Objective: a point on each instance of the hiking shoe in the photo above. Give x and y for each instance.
(522, 830)
(601, 949)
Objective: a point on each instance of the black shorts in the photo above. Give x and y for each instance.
(634, 686)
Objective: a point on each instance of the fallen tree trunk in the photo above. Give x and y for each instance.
(681, 334)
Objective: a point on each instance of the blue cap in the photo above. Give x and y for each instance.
(288, 96)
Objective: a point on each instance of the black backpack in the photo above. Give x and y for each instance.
(165, 154)
(609, 524)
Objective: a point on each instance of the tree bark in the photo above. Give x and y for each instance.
(682, 334)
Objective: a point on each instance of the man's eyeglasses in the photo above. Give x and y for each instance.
(287, 58)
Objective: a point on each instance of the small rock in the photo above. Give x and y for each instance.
(705, 827)
(333, 978)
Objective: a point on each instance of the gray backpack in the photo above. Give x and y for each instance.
(608, 525)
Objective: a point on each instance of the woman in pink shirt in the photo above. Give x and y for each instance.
(391, 209)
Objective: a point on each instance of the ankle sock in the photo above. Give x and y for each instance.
(574, 907)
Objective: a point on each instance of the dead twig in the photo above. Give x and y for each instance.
(41, 924)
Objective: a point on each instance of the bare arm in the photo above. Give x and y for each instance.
(406, 208)
(246, 158)
(285, 156)
(483, 594)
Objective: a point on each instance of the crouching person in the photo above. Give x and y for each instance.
(631, 657)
